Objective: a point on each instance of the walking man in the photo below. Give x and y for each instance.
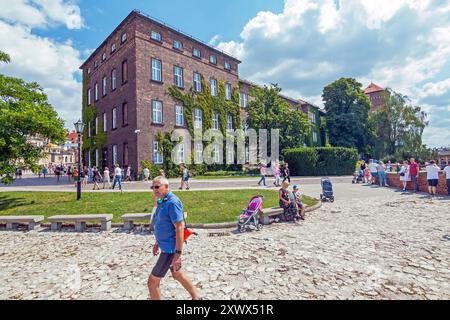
(414, 174)
(262, 172)
(117, 177)
(169, 233)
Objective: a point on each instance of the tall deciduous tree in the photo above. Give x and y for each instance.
(399, 128)
(347, 109)
(269, 111)
(24, 112)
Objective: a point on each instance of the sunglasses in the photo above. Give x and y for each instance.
(155, 187)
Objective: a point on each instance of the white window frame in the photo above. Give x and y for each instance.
(89, 71)
(96, 91)
(179, 115)
(124, 38)
(96, 157)
(89, 97)
(157, 156)
(178, 76)
(96, 126)
(199, 152)
(213, 59)
(156, 36)
(105, 127)
(313, 118)
(113, 47)
(228, 89)
(230, 122)
(104, 56)
(196, 53)
(157, 111)
(89, 129)
(114, 154)
(95, 64)
(181, 154)
(216, 153)
(197, 82)
(215, 121)
(243, 100)
(177, 45)
(227, 65)
(156, 70)
(114, 118)
(104, 84)
(314, 134)
(113, 79)
(214, 90)
(198, 118)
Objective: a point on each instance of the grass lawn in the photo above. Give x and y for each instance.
(202, 206)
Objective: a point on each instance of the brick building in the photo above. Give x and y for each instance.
(376, 95)
(126, 81)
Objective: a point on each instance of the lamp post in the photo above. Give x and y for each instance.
(79, 126)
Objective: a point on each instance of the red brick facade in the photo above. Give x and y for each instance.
(394, 181)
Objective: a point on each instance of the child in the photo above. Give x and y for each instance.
(367, 175)
(298, 199)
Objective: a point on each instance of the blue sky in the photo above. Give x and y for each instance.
(301, 44)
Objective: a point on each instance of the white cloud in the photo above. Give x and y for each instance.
(401, 44)
(52, 64)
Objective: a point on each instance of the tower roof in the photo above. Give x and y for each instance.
(373, 88)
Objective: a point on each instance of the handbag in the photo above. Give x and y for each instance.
(402, 174)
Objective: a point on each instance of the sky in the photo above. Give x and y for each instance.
(303, 45)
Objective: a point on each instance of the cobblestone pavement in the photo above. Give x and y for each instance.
(389, 245)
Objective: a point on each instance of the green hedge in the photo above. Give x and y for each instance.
(321, 161)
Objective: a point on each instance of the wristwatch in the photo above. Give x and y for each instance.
(178, 251)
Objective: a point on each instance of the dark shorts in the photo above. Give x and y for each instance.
(433, 182)
(163, 265)
(186, 179)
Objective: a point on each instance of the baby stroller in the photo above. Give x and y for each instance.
(358, 176)
(249, 218)
(327, 190)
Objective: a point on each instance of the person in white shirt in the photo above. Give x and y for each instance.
(447, 176)
(432, 177)
(117, 177)
(146, 174)
(373, 167)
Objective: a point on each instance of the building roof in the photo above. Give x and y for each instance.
(161, 23)
(373, 88)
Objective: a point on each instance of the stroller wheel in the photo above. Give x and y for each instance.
(259, 227)
(241, 229)
(332, 199)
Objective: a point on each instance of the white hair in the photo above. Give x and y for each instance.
(162, 180)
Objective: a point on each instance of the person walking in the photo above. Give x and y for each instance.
(44, 171)
(117, 178)
(184, 177)
(82, 177)
(128, 175)
(382, 174)
(69, 173)
(146, 174)
(169, 226)
(447, 177)
(262, 172)
(106, 178)
(57, 173)
(404, 174)
(76, 176)
(86, 176)
(96, 177)
(373, 167)
(414, 170)
(286, 173)
(432, 177)
(277, 174)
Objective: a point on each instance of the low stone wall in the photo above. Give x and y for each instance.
(394, 181)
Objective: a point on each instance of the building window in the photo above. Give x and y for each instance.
(104, 86)
(197, 82)
(156, 70)
(199, 152)
(313, 118)
(178, 76)
(216, 152)
(214, 87)
(95, 65)
(89, 97)
(114, 118)
(96, 158)
(180, 153)
(198, 119)
(215, 121)
(105, 128)
(96, 126)
(228, 91)
(114, 155)
(88, 129)
(104, 56)
(314, 134)
(196, 53)
(213, 59)
(243, 99)
(113, 47)
(156, 36)
(96, 91)
(157, 111)
(124, 114)
(89, 71)
(227, 66)
(179, 116)
(124, 71)
(177, 45)
(157, 156)
(123, 38)
(125, 154)
(113, 80)
(230, 122)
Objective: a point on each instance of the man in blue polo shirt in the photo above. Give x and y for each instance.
(169, 233)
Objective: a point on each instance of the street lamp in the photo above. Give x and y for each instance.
(79, 126)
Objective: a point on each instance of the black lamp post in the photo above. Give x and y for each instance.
(79, 126)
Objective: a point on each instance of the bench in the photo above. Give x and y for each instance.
(130, 218)
(12, 222)
(264, 216)
(80, 221)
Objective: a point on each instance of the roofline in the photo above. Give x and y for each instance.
(139, 13)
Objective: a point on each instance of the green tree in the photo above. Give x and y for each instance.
(269, 111)
(24, 112)
(347, 114)
(399, 128)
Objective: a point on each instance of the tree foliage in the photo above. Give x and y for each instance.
(269, 111)
(347, 109)
(24, 112)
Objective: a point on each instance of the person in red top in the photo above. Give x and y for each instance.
(414, 174)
